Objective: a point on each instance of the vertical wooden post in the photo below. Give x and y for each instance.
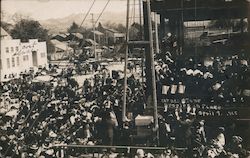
(248, 17)
(157, 49)
(148, 63)
(141, 38)
(162, 26)
(162, 30)
(93, 21)
(125, 66)
(181, 43)
(153, 81)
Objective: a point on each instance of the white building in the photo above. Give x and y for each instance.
(19, 57)
(4, 35)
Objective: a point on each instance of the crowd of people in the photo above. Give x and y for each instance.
(224, 79)
(60, 111)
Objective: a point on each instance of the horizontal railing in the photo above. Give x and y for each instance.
(95, 151)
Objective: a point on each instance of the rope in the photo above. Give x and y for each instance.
(98, 16)
(79, 27)
(47, 102)
(102, 12)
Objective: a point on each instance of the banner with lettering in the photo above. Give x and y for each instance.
(210, 110)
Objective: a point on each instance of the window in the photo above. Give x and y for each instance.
(42, 55)
(17, 49)
(7, 49)
(12, 49)
(13, 62)
(25, 57)
(17, 61)
(8, 63)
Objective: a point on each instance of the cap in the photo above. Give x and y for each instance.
(222, 129)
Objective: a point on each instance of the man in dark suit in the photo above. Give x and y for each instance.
(108, 126)
(186, 125)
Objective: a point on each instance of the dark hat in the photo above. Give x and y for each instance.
(221, 129)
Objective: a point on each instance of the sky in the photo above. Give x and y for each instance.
(46, 9)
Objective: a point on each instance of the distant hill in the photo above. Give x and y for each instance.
(61, 24)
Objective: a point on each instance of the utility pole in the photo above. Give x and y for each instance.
(125, 66)
(93, 23)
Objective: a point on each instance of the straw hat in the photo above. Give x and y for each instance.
(140, 152)
(49, 152)
(34, 147)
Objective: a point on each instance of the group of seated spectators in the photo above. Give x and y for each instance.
(61, 111)
(221, 79)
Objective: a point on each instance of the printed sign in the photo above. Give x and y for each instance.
(208, 110)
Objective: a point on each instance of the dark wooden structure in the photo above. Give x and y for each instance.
(178, 11)
(173, 14)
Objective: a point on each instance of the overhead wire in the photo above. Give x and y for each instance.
(30, 128)
(72, 40)
(79, 27)
(98, 16)
(59, 64)
(94, 23)
(86, 17)
(26, 118)
(102, 11)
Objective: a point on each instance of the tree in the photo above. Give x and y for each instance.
(17, 17)
(121, 28)
(73, 28)
(115, 26)
(6, 26)
(29, 29)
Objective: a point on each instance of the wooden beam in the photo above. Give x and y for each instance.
(138, 43)
(124, 109)
(153, 80)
